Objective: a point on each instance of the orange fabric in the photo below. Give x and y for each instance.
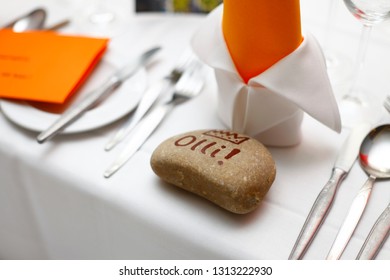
(44, 66)
(258, 33)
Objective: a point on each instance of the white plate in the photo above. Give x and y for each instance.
(121, 102)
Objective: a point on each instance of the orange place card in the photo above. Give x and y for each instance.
(259, 33)
(44, 66)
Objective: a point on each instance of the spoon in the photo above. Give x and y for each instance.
(31, 21)
(374, 157)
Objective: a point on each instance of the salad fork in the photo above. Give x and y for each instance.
(189, 86)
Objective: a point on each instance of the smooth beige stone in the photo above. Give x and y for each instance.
(232, 170)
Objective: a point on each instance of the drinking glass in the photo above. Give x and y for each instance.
(356, 105)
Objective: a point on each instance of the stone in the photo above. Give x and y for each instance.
(231, 170)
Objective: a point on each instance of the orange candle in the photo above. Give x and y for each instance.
(258, 33)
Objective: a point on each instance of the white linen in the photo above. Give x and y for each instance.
(56, 204)
(271, 102)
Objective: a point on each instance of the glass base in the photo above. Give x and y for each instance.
(100, 14)
(355, 109)
(102, 17)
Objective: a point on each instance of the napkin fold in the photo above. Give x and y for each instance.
(45, 66)
(270, 105)
(258, 33)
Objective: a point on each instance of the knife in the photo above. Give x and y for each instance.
(75, 111)
(137, 137)
(344, 162)
(377, 236)
(147, 101)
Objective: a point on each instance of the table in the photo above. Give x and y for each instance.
(56, 204)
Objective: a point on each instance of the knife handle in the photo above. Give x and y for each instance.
(317, 214)
(350, 222)
(377, 236)
(77, 110)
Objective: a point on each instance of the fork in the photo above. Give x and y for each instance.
(150, 97)
(387, 103)
(189, 86)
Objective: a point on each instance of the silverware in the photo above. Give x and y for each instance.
(377, 236)
(58, 25)
(149, 98)
(387, 103)
(34, 20)
(189, 86)
(75, 111)
(324, 201)
(374, 158)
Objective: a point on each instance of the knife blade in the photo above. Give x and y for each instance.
(138, 136)
(344, 162)
(76, 111)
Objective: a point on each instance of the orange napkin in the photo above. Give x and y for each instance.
(44, 66)
(259, 33)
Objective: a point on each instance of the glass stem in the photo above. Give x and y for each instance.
(331, 12)
(361, 56)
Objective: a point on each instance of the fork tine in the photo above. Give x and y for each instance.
(184, 62)
(190, 82)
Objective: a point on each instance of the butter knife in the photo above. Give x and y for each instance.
(377, 236)
(75, 111)
(344, 162)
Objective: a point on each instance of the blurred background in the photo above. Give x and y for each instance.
(181, 6)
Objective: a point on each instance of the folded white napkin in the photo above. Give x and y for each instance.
(270, 107)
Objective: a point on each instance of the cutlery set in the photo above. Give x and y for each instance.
(373, 150)
(323, 203)
(182, 83)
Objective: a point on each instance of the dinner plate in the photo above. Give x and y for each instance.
(121, 102)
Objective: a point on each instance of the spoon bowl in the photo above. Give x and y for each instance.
(34, 20)
(374, 153)
(374, 157)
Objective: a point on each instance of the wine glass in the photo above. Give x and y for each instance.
(356, 105)
(339, 66)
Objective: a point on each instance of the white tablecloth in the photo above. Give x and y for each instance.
(55, 203)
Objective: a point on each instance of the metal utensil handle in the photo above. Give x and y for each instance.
(353, 217)
(377, 236)
(139, 135)
(75, 111)
(317, 214)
